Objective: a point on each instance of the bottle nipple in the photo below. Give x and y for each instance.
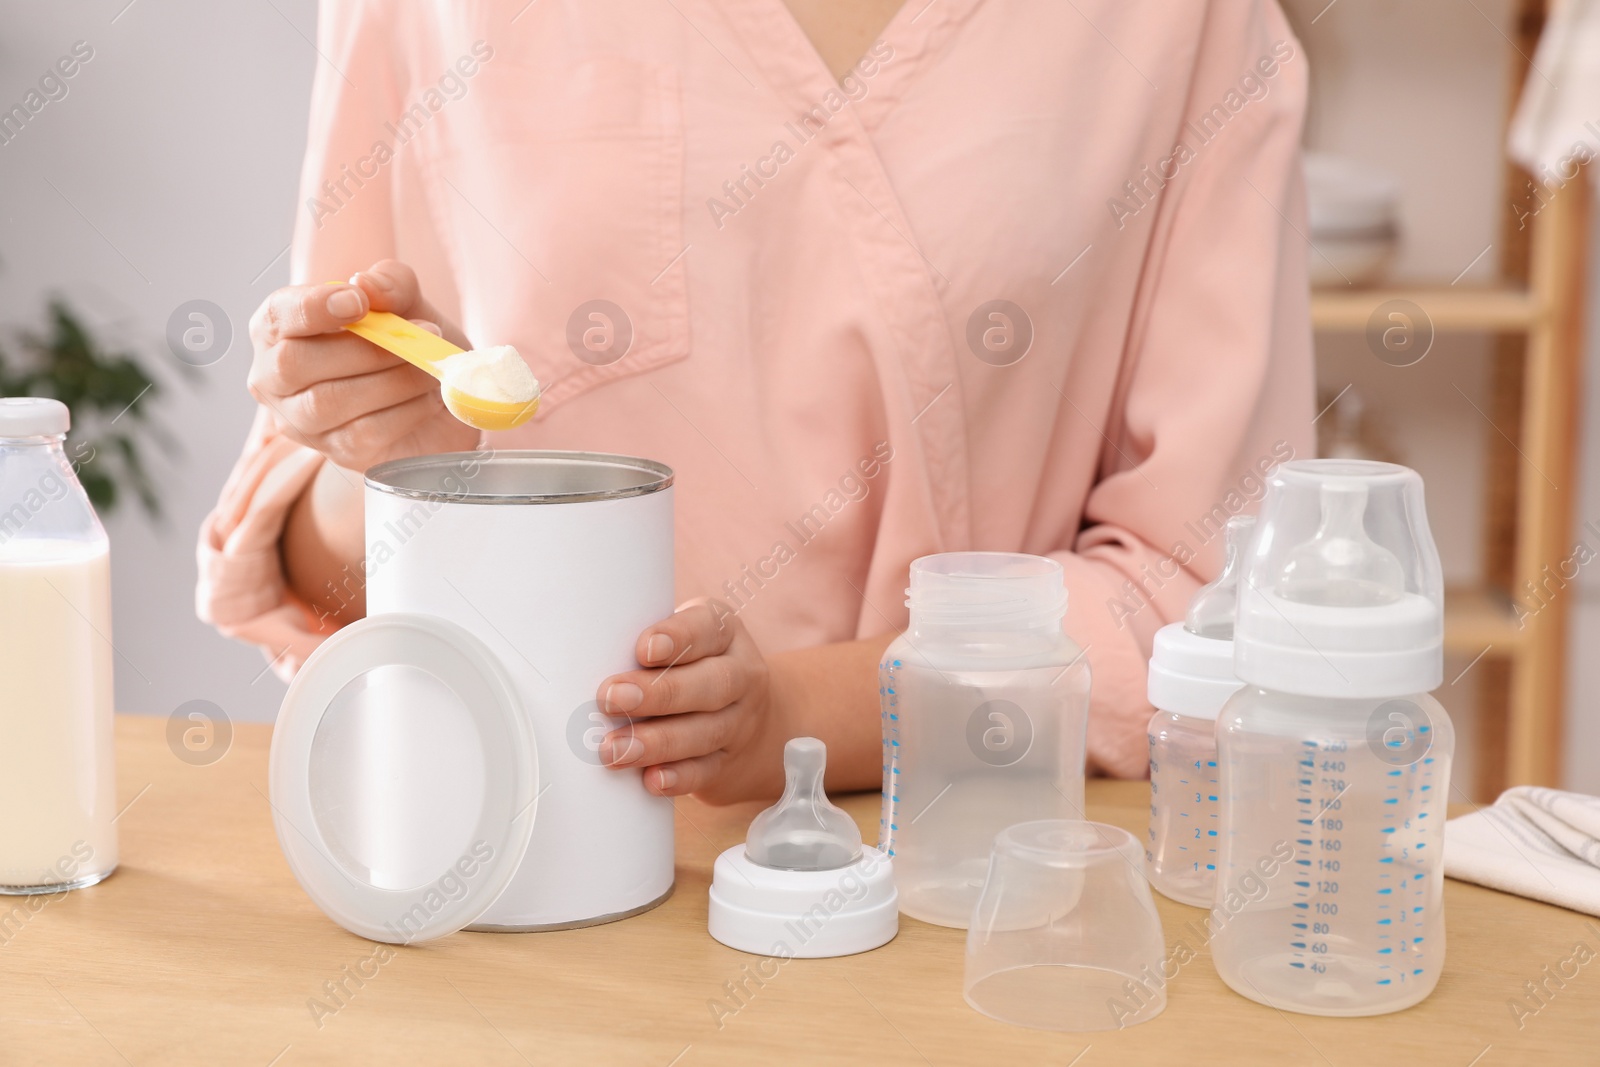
(1341, 566)
(1211, 611)
(803, 831)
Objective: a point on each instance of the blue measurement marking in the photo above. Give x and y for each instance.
(1386, 840)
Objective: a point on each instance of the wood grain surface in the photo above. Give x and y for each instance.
(202, 949)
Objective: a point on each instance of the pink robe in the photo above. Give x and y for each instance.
(1031, 279)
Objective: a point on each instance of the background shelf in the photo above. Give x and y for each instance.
(1505, 308)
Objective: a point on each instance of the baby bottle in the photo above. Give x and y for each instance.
(57, 782)
(1335, 760)
(1191, 677)
(985, 707)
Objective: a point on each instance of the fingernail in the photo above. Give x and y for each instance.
(621, 751)
(345, 304)
(377, 281)
(658, 648)
(623, 696)
(669, 778)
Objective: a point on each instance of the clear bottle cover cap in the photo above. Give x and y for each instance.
(1343, 594)
(1341, 566)
(803, 831)
(1213, 608)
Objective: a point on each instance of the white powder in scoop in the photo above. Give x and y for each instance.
(497, 373)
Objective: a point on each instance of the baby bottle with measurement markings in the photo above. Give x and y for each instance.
(985, 706)
(1191, 678)
(57, 775)
(1335, 760)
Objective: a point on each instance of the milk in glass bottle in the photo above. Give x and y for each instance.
(1335, 760)
(56, 762)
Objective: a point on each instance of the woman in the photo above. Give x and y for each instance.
(877, 281)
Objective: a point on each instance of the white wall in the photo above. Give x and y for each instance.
(179, 142)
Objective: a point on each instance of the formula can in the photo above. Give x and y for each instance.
(436, 764)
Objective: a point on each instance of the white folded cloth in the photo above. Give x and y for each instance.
(1556, 129)
(1538, 843)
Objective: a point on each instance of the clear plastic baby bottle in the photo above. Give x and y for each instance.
(1191, 678)
(57, 781)
(1335, 760)
(985, 706)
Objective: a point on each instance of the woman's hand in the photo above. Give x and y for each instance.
(343, 396)
(699, 705)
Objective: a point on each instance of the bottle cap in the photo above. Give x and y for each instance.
(1190, 675)
(33, 416)
(1191, 665)
(1342, 592)
(1212, 611)
(802, 885)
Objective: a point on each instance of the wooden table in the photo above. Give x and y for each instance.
(202, 949)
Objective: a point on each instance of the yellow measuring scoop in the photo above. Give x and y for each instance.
(422, 349)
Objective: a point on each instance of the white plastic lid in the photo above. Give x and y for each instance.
(33, 416)
(1189, 674)
(1342, 594)
(403, 778)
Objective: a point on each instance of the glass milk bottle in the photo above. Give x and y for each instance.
(57, 784)
(985, 708)
(1191, 678)
(1335, 760)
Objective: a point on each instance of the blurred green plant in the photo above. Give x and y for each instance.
(109, 395)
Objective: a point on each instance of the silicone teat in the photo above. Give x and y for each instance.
(803, 831)
(1341, 566)
(1212, 610)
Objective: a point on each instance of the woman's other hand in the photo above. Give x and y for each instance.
(698, 705)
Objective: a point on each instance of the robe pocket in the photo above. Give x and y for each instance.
(558, 192)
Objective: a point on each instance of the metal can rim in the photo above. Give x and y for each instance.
(381, 478)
